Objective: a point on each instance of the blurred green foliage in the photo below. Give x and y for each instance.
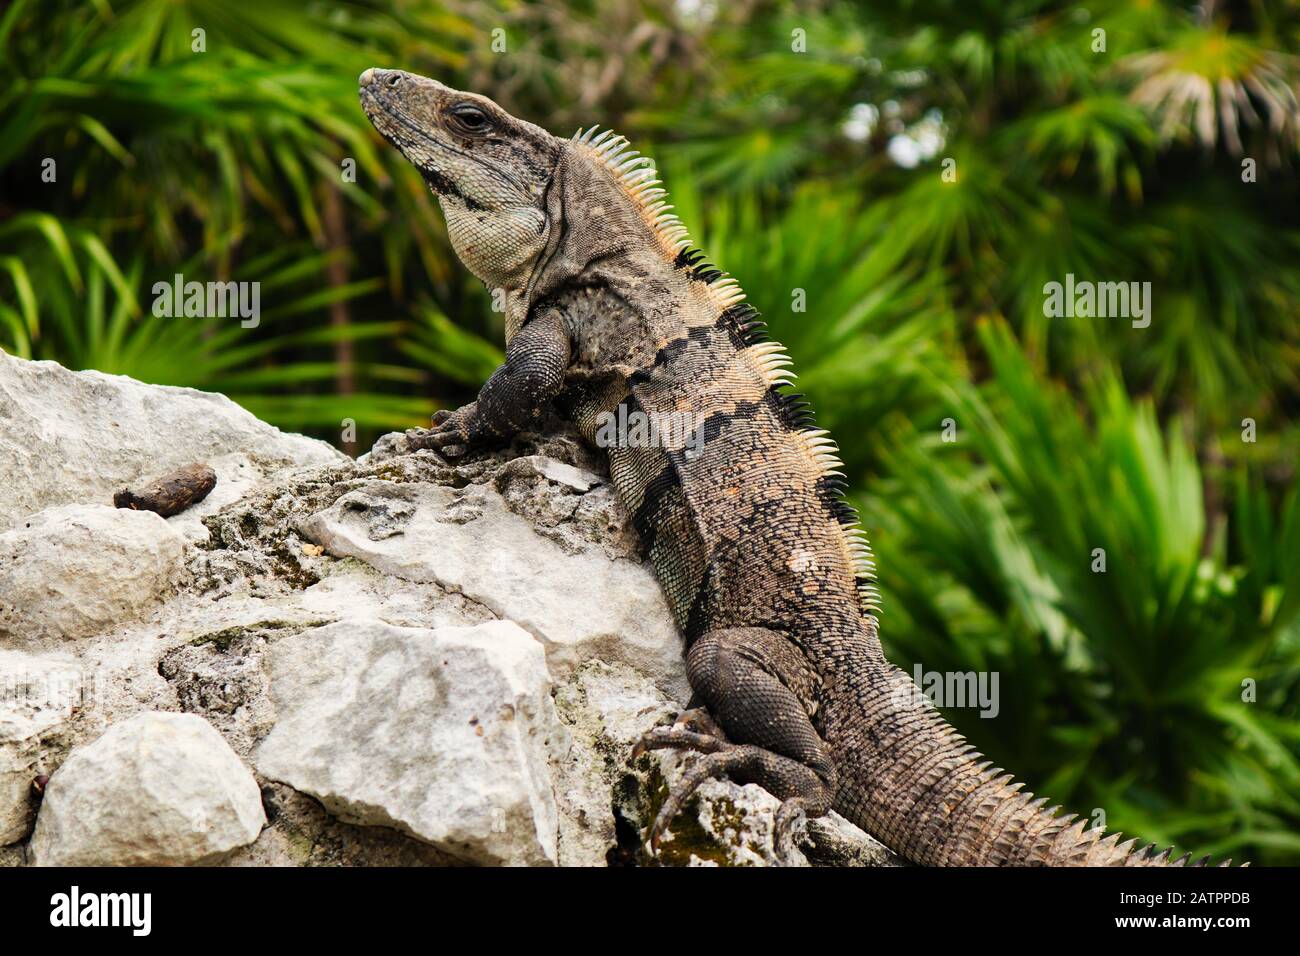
(805, 145)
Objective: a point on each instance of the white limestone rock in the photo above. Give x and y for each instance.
(159, 789)
(580, 605)
(69, 437)
(74, 570)
(443, 734)
(39, 697)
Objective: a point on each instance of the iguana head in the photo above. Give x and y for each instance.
(528, 212)
(489, 170)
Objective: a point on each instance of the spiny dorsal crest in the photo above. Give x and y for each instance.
(1069, 841)
(772, 362)
(637, 176)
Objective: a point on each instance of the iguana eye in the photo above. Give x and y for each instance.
(469, 118)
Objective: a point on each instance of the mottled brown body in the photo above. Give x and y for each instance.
(611, 314)
(743, 535)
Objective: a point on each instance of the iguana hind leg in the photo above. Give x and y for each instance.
(757, 688)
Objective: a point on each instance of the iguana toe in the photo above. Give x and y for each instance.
(791, 817)
(665, 738)
(743, 760)
(701, 721)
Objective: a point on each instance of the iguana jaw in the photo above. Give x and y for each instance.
(489, 170)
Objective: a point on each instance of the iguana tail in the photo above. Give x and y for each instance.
(912, 781)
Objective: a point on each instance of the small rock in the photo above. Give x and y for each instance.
(579, 479)
(442, 734)
(159, 789)
(172, 493)
(76, 570)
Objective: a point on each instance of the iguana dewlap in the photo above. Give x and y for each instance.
(736, 496)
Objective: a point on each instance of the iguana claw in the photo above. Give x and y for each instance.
(699, 720)
(664, 738)
(452, 433)
(727, 758)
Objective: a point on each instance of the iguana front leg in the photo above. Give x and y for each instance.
(512, 397)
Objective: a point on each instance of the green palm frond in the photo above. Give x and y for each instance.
(1110, 132)
(1130, 660)
(879, 178)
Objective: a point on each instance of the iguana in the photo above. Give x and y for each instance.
(611, 314)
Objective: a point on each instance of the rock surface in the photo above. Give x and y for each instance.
(425, 663)
(39, 697)
(74, 437)
(160, 789)
(443, 734)
(579, 605)
(75, 570)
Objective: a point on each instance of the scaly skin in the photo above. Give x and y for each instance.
(608, 311)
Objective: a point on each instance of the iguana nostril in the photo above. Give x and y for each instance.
(394, 79)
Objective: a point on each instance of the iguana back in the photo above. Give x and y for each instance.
(736, 495)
